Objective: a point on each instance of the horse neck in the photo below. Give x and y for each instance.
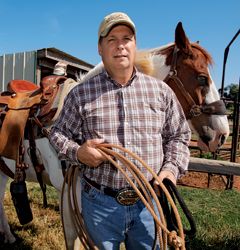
(93, 72)
(161, 70)
(153, 62)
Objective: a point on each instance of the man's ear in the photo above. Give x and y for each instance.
(99, 50)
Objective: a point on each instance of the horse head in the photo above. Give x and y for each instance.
(198, 94)
(184, 66)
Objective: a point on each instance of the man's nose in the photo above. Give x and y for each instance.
(120, 45)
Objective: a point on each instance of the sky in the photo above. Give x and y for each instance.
(72, 26)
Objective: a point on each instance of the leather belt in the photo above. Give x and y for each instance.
(124, 196)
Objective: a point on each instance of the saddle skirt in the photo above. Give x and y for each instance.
(18, 100)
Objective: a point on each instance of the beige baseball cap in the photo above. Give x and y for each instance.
(113, 19)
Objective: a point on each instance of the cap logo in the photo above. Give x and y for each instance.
(114, 19)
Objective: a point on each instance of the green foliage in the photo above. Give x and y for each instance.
(231, 93)
(207, 155)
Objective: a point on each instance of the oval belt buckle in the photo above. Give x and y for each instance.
(127, 196)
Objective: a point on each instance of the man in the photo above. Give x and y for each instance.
(121, 106)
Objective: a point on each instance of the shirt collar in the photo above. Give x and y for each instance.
(134, 75)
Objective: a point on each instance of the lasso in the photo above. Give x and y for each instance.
(147, 194)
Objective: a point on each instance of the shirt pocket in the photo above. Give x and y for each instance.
(152, 117)
(99, 120)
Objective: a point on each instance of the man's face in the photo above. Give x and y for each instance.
(118, 48)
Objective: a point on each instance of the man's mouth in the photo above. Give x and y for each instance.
(119, 56)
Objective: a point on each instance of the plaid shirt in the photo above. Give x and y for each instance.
(143, 116)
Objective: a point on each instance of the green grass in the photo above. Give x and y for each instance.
(216, 214)
(217, 218)
(45, 230)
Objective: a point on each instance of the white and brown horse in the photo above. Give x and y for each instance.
(185, 67)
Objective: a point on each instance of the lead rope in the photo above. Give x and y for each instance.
(146, 195)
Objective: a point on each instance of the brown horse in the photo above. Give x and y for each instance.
(184, 67)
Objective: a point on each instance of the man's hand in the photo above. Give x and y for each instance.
(167, 174)
(89, 155)
(164, 174)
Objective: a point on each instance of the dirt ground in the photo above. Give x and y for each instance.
(203, 180)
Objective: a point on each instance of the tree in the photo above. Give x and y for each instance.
(230, 93)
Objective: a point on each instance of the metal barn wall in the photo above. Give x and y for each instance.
(17, 66)
(34, 65)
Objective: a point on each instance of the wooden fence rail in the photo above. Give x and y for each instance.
(214, 166)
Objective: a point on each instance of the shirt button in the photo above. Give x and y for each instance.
(128, 142)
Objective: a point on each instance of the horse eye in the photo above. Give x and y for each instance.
(203, 80)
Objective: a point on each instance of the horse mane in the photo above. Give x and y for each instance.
(143, 62)
(144, 58)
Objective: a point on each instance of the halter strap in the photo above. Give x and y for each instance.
(214, 108)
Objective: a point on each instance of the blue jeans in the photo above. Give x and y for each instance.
(109, 223)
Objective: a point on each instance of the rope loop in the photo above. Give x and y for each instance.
(143, 189)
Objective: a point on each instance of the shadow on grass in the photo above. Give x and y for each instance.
(196, 244)
(229, 244)
(19, 244)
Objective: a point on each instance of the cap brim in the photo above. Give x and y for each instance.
(111, 25)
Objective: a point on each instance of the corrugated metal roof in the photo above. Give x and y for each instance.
(57, 55)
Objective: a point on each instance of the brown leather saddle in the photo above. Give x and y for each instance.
(50, 87)
(23, 103)
(16, 103)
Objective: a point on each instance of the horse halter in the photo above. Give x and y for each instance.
(214, 108)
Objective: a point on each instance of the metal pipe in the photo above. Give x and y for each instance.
(225, 60)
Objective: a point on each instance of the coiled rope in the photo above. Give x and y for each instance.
(144, 190)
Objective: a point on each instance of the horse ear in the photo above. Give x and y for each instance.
(181, 40)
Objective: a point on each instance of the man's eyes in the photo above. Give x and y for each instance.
(127, 38)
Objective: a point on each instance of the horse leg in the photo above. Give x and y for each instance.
(5, 232)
